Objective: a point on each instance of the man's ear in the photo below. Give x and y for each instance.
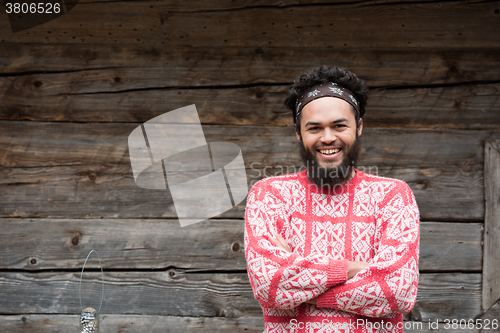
(297, 134)
(360, 127)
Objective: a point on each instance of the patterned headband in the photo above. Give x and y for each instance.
(325, 89)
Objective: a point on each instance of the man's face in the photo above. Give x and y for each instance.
(329, 140)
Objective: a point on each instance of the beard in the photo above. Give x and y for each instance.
(324, 176)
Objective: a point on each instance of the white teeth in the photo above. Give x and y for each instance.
(329, 151)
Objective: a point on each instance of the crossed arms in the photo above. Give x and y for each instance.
(353, 267)
(283, 279)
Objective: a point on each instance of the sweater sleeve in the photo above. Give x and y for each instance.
(389, 284)
(279, 279)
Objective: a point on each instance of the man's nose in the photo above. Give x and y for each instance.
(328, 136)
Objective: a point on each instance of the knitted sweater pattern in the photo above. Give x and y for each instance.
(371, 218)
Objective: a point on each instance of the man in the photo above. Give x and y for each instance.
(331, 249)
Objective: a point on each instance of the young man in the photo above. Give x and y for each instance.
(331, 249)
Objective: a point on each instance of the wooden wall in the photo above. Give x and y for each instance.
(74, 88)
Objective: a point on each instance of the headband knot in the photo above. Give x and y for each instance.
(325, 89)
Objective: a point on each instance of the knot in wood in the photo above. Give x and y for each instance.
(424, 184)
(235, 247)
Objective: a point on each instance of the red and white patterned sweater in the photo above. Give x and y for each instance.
(371, 219)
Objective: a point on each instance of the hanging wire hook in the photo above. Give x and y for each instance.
(81, 276)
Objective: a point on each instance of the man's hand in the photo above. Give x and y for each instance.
(280, 242)
(353, 267)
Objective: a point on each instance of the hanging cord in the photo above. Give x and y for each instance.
(81, 276)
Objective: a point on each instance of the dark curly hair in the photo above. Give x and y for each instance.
(323, 73)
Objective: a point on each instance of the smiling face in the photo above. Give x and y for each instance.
(328, 135)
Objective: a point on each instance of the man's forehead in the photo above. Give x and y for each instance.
(336, 121)
(327, 109)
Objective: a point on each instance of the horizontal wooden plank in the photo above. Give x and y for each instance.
(160, 293)
(214, 244)
(216, 5)
(169, 324)
(447, 245)
(90, 191)
(83, 170)
(132, 324)
(45, 144)
(175, 293)
(71, 97)
(105, 68)
(430, 24)
(437, 297)
(122, 244)
(446, 194)
(456, 107)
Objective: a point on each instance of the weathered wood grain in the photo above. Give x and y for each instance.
(445, 244)
(71, 97)
(491, 269)
(162, 293)
(132, 324)
(83, 170)
(437, 296)
(45, 144)
(456, 107)
(193, 294)
(169, 324)
(401, 25)
(103, 68)
(122, 244)
(492, 316)
(89, 191)
(210, 245)
(216, 5)
(444, 191)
